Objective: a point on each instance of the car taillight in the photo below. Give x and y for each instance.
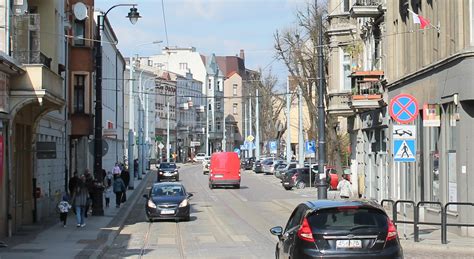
(392, 231)
(305, 232)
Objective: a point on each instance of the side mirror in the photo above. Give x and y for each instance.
(276, 231)
(145, 196)
(190, 195)
(178, 167)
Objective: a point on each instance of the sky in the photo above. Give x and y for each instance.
(222, 27)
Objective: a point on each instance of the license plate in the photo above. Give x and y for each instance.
(167, 174)
(348, 244)
(218, 176)
(167, 212)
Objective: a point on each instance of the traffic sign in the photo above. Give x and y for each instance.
(404, 143)
(310, 147)
(273, 146)
(158, 138)
(161, 146)
(250, 138)
(403, 108)
(404, 150)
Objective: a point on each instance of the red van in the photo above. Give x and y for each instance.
(224, 170)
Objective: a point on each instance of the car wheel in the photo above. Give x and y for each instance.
(187, 218)
(237, 186)
(177, 179)
(287, 188)
(211, 186)
(300, 185)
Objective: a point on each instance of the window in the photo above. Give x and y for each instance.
(46, 150)
(218, 105)
(209, 107)
(219, 85)
(79, 87)
(346, 6)
(234, 108)
(183, 66)
(218, 125)
(346, 71)
(234, 89)
(79, 33)
(150, 62)
(210, 84)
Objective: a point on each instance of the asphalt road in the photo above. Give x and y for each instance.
(225, 223)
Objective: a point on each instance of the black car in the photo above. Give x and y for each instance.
(247, 163)
(167, 201)
(167, 171)
(298, 177)
(338, 229)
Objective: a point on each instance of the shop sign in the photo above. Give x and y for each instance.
(431, 115)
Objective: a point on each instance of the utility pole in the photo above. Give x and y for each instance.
(131, 122)
(245, 128)
(257, 126)
(300, 129)
(288, 126)
(167, 129)
(250, 123)
(321, 181)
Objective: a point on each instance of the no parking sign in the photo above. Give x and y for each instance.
(403, 108)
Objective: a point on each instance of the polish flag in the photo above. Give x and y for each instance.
(422, 21)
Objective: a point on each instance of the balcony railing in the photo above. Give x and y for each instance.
(367, 91)
(367, 8)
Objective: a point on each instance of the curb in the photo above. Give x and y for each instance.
(410, 244)
(109, 235)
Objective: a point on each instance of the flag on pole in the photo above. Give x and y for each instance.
(418, 19)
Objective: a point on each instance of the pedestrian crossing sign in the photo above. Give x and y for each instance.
(404, 150)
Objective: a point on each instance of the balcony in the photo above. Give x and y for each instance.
(367, 91)
(200, 108)
(341, 25)
(339, 104)
(367, 8)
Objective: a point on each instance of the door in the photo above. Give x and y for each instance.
(289, 234)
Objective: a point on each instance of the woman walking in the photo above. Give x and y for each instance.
(79, 201)
(118, 188)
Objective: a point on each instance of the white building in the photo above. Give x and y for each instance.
(204, 69)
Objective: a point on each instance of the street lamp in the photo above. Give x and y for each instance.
(133, 15)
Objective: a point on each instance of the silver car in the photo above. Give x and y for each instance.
(206, 164)
(282, 168)
(269, 166)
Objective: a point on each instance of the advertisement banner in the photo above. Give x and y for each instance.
(431, 115)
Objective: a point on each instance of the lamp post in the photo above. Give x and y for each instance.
(133, 15)
(288, 125)
(322, 186)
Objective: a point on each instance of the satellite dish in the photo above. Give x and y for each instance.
(80, 11)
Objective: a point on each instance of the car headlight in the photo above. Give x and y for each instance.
(151, 204)
(184, 203)
(161, 172)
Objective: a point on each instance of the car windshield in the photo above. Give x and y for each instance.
(167, 190)
(347, 218)
(167, 166)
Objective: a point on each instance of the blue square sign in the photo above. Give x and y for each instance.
(404, 150)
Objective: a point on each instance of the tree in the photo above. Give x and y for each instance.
(271, 104)
(297, 48)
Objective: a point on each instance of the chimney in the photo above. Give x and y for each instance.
(242, 54)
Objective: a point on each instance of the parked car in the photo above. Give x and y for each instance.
(205, 165)
(199, 157)
(257, 166)
(167, 201)
(224, 170)
(247, 163)
(298, 177)
(269, 166)
(282, 168)
(342, 229)
(167, 171)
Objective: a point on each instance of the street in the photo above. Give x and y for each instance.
(230, 223)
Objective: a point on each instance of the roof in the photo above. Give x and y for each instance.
(326, 204)
(368, 73)
(231, 65)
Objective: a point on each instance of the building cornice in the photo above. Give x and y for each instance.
(466, 53)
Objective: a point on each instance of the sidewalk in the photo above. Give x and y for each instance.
(50, 240)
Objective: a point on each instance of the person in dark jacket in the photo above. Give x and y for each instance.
(90, 188)
(119, 189)
(125, 175)
(73, 183)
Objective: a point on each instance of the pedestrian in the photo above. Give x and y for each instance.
(116, 169)
(89, 181)
(73, 182)
(345, 187)
(135, 167)
(118, 188)
(79, 202)
(107, 194)
(109, 178)
(63, 208)
(125, 175)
